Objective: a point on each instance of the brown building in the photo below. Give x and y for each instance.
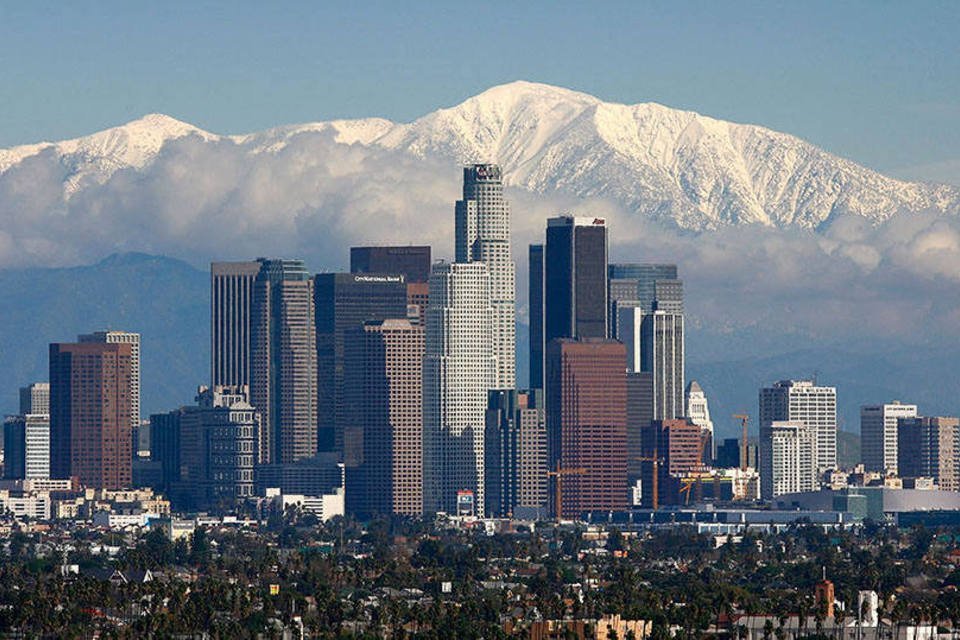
(926, 448)
(587, 422)
(384, 400)
(90, 432)
(418, 295)
(677, 445)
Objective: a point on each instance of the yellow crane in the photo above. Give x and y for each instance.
(558, 474)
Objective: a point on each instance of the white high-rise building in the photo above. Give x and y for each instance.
(788, 452)
(629, 325)
(459, 368)
(27, 446)
(483, 235)
(662, 354)
(804, 401)
(878, 434)
(697, 409)
(133, 339)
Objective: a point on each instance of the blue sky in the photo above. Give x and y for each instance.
(878, 82)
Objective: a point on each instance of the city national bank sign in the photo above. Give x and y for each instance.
(378, 279)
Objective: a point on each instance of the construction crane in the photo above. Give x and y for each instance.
(743, 418)
(559, 473)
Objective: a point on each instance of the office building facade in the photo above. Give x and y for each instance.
(231, 301)
(535, 308)
(90, 424)
(807, 402)
(384, 390)
(229, 436)
(575, 278)
(635, 285)
(878, 435)
(344, 301)
(26, 446)
(927, 448)
(412, 262)
(482, 234)
(788, 458)
(677, 447)
(283, 368)
(662, 355)
(133, 339)
(459, 369)
(516, 454)
(35, 399)
(586, 408)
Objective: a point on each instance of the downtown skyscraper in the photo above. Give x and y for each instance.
(231, 298)
(568, 286)
(384, 379)
(90, 430)
(483, 235)
(133, 339)
(459, 369)
(343, 302)
(283, 364)
(586, 403)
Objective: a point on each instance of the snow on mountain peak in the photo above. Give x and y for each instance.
(677, 166)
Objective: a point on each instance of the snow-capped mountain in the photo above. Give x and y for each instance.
(677, 166)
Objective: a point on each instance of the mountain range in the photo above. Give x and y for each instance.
(674, 166)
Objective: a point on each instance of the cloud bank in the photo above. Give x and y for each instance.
(205, 200)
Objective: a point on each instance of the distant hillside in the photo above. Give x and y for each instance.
(165, 300)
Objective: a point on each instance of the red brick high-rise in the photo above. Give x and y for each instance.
(587, 423)
(90, 432)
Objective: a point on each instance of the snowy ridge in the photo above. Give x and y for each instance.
(676, 166)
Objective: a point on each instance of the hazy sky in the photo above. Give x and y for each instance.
(878, 82)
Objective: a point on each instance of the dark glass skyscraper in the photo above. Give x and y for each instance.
(575, 278)
(412, 262)
(645, 286)
(344, 301)
(283, 372)
(536, 316)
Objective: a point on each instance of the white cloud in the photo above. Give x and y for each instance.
(314, 198)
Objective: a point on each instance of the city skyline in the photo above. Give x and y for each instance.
(624, 321)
